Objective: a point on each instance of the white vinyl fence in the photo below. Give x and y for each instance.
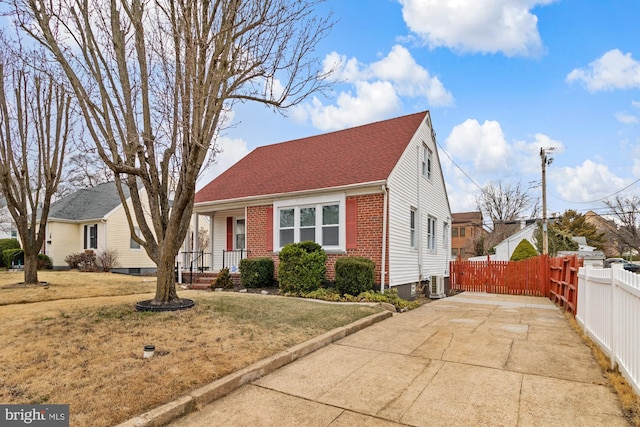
(609, 312)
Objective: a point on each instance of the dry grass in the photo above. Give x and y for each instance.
(70, 284)
(629, 400)
(91, 357)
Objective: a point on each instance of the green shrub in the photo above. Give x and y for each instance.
(13, 257)
(524, 250)
(354, 275)
(302, 267)
(44, 262)
(256, 272)
(223, 280)
(7, 244)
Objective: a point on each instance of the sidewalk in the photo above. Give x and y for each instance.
(473, 360)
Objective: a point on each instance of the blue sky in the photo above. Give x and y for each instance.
(501, 79)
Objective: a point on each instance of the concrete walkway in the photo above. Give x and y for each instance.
(473, 360)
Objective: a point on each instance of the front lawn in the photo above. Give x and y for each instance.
(88, 352)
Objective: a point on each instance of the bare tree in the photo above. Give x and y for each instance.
(34, 130)
(84, 169)
(504, 204)
(627, 212)
(154, 80)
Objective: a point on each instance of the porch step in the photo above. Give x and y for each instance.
(203, 281)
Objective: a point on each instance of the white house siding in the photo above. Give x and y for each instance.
(118, 238)
(219, 238)
(63, 239)
(409, 189)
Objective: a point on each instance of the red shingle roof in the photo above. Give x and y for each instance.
(361, 154)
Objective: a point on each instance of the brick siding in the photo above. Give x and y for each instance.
(369, 234)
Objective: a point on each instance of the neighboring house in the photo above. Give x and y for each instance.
(504, 249)
(375, 191)
(94, 218)
(8, 228)
(612, 246)
(466, 229)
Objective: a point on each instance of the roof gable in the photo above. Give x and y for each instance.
(88, 203)
(357, 155)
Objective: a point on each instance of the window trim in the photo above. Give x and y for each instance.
(413, 228)
(432, 234)
(236, 234)
(427, 162)
(88, 244)
(318, 202)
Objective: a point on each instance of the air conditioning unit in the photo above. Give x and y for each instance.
(436, 290)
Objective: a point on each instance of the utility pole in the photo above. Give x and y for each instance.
(545, 232)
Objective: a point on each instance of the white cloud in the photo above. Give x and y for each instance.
(231, 150)
(488, 26)
(613, 70)
(372, 101)
(379, 90)
(484, 146)
(585, 183)
(626, 118)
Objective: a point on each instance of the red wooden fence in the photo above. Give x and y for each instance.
(554, 278)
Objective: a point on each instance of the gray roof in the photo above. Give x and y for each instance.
(88, 203)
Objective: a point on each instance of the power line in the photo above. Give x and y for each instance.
(459, 168)
(602, 198)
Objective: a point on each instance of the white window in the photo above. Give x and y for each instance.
(412, 229)
(427, 161)
(91, 236)
(133, 244)
(308, 224)
(331, 225)
(240, 233)
(431, 234)
(318, 219)
(287, 226)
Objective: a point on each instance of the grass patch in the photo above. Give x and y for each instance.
(629, 400)
(70, 284)
(90, 356)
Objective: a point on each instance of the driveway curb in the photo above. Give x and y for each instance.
(164, 414)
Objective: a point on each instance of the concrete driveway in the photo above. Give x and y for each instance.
(473, 359)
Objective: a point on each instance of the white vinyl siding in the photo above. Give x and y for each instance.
(407, 190)
(219, 238)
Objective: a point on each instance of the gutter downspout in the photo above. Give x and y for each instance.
(384, 238)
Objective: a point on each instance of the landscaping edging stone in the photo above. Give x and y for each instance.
(164, 414)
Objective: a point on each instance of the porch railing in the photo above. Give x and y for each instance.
(231, 259)
(195, 262)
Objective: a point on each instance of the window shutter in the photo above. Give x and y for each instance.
(269, 228)
(352, 224)
(229, 233)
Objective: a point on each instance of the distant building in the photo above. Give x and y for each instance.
(466, 229)
(612, 244)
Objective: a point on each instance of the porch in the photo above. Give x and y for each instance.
(198, 269)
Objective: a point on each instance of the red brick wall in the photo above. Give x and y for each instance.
(369, 234)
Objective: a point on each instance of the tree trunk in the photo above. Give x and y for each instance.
(166, 281)
(31, 269)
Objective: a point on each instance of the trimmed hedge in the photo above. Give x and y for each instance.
(223, 280)
(256, 272)
(13, 255)
(302, 267)
(7, 244)
(44, 262)
(524, 250)
(354, 275)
